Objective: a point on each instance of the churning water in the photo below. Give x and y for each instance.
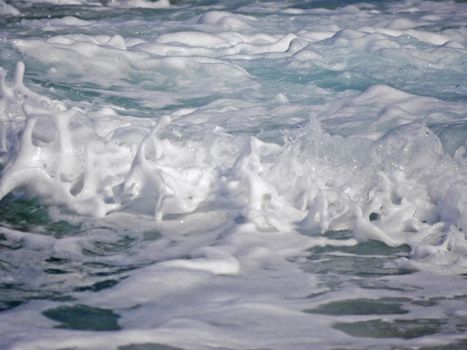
(278, 175)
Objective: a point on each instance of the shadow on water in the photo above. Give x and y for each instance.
(405, 329)
(83, 317)
(29, 214)
(373, 265)
(364, 260)
(40, 273)
(383, 306)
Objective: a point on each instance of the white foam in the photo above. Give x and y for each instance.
(159, 4)
(127, 168)
(226, 20)
(209, 158)
(7, 9)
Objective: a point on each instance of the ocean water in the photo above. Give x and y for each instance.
(233, 175)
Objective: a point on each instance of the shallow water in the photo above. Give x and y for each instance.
(233, 175)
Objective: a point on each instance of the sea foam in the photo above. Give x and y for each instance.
(232, 175)
(98, 163)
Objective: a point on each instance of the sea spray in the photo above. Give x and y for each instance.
(96, 167)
